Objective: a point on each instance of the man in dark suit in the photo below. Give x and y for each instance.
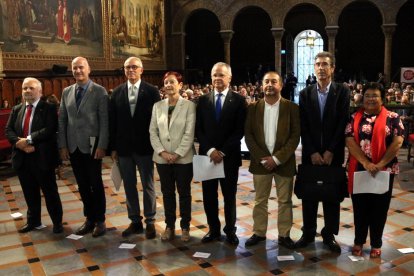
(324, 113)
(220, 118)
(83, 138)
(31, 130)
(272, 136)
(130, 116)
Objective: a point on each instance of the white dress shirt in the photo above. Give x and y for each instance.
(271, 119)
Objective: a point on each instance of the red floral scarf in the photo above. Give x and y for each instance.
(378, 147)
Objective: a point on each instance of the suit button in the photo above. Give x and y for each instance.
(168, 139)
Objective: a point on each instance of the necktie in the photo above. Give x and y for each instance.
(79, 95)
(218, 106)
(133, 99)
(27, 120)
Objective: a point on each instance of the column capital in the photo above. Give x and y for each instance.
(226, 35)
(332, 31)
(388, 29)
(277, 33)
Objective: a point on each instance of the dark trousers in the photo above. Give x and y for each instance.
(33, 179)
(180, 176)
(88, 174)
(330, 215)
(210, 198)
(370, 212)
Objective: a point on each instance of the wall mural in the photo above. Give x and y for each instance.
(52, 27)
(137, 29)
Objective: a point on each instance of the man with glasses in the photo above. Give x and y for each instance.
(130, 116)
(324, 113)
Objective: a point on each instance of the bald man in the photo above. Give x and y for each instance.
(83, 139)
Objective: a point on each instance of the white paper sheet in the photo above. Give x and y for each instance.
(365, 183)
(204, 169)
(201, 255)
(74, 237)
(92, 141)
(356, 258)
(285, 258)
(127, 245)
(116, 176)
(406, 250)
(16, 215)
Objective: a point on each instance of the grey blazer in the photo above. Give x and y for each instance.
(76, 126)
(178, 136)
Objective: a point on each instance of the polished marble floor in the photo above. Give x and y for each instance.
(41, 252)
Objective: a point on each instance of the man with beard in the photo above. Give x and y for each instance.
(220, 122)
(324, 113)
(272, 135)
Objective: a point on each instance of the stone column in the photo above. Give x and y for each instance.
(388, 30)
(227, 35)
(331, 31)
(1, 60)
(178, 50)
(277, 35)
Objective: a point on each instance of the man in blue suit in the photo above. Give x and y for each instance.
(83, 138)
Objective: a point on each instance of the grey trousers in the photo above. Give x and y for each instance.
(127, 167)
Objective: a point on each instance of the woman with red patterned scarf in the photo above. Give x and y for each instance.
(373, 136)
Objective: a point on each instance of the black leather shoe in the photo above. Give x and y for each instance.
(133, 228)
(333, 245)
(303, 242)
(150, 231)
(232, 239)
(286, 242)
(57, 228)
(99, 230)
(253, 240)
(211, 236)
(27, 228)
(86, 228)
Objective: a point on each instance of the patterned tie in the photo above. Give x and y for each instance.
(218, 106)
(26, 124)
(79, 95)
(132, 99)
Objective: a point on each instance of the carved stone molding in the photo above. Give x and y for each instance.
(1, 61)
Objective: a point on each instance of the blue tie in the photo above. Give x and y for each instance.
(79, 95)
(218, 106)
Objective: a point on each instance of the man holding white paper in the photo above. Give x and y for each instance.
(374, 136)
(219, 129)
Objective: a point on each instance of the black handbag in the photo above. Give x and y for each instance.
(321, 183)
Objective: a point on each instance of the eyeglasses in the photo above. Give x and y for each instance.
(133, 67)
(371, 96)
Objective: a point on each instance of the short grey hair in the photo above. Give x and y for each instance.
(222, 64)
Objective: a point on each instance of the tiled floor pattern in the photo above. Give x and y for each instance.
(41, 252)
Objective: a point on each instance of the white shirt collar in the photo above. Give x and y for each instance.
(271, 105)
(327, 88)
(137, 84)
(223, 93)
(34, 104)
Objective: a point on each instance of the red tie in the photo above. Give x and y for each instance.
(27, 120)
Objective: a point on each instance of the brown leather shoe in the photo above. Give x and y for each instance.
(150, 231)
(133, 228)
(99, 230)
(86, 228)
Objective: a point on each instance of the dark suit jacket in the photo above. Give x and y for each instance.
(287, 137)
(131, 134)
(43, 133)
(327, 134)
(226, 134)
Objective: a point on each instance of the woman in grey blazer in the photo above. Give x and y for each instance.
(172, 137)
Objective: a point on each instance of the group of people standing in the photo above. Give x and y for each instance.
(141, 129)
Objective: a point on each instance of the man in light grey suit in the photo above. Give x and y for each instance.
(83, 138)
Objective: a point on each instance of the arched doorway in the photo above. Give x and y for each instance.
(359, 43)
(307, 44)
(203, 46)
(252, 45)
(403, 41)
